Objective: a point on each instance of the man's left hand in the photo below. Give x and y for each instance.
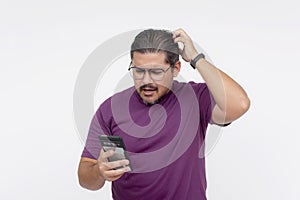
(189, 51)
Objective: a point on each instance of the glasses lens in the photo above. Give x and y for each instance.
(138, 73)
(157, 74)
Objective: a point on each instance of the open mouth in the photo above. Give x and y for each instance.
(148, 90)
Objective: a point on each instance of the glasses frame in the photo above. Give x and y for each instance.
(148, 71)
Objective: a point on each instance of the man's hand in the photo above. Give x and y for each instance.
(108, 170)
(231, 99)
(189, 51)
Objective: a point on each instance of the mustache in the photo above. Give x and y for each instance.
(151, 87)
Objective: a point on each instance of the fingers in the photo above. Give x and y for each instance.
(112, 171)
(109, 172)
(189, 51)
(113, 175)
(180, 35)
(179, 32)
(116, 164)
(105, 154)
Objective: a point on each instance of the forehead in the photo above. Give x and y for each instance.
(140, 59)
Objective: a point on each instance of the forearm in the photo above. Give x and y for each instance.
(229, 96)
(89, 175)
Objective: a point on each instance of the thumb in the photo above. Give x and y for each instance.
(183, 55)
(105, 154)
(180, 51)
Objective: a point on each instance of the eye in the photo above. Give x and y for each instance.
(156, 71)
(139, 71)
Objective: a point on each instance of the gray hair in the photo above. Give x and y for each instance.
(154, 41)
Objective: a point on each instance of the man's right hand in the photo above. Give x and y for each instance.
(108, 170)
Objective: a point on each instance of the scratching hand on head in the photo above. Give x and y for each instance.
(189, 51)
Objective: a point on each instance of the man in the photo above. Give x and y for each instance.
(162, 122)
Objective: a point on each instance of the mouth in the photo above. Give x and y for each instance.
(148, 90)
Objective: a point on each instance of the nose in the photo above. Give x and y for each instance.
(147, 78)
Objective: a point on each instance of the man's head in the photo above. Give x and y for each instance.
(154, 63)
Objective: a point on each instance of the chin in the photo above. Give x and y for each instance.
(150, 101)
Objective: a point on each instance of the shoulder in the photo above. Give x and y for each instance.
(118, 98)
(197, 87)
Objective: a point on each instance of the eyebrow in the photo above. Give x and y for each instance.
(138, 67)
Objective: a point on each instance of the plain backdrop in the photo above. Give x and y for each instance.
(43, 45)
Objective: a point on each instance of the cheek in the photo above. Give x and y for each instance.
(137, 84)
(163, 87)
(167, 83)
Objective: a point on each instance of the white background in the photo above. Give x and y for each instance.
(44, 44)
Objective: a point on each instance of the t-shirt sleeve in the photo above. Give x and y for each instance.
(206, 102)
(99, 126)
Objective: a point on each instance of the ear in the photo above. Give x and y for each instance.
(176, 68)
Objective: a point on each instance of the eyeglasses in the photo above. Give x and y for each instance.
(156, 74)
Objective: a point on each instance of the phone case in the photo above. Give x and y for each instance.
(115, 143)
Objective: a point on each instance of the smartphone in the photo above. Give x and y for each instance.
(115, 143)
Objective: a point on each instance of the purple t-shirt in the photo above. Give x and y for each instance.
(165, 142)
